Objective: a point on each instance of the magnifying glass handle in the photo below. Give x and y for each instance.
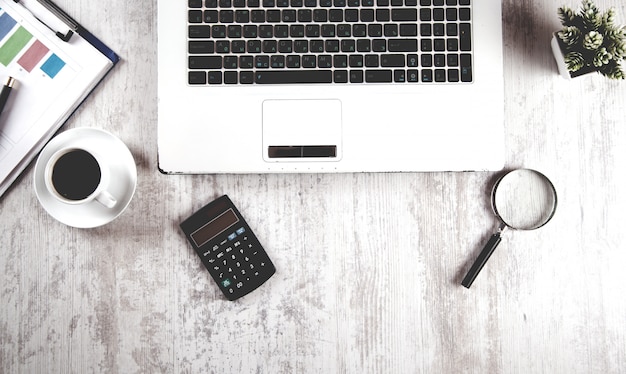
(482, 259)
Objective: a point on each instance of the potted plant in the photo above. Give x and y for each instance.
(589, 42)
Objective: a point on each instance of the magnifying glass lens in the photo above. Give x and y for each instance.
(524, 199)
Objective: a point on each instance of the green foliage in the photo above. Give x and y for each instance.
(590, 40)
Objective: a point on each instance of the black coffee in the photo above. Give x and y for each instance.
(76, 175)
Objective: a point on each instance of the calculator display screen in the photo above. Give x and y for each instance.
(214, 227)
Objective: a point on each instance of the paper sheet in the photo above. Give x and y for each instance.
(53, 77)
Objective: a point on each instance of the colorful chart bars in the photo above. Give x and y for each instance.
(18, 43)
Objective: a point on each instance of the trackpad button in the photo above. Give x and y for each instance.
(302, 130)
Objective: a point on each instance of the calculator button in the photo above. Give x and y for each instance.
(232, 236)
(226, 282)
(240, 231)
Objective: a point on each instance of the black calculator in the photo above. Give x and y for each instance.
(228, 248)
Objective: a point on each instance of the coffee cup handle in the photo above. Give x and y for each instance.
(106, 199)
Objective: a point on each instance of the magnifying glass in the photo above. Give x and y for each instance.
(522, 199)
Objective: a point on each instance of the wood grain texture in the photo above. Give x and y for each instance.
(368, 265)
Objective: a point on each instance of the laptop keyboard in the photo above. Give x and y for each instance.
(329, 41)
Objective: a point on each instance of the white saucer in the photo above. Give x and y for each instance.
(123, 178)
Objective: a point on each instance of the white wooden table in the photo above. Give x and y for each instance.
(368, 265)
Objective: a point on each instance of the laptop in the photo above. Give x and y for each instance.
(315, 86)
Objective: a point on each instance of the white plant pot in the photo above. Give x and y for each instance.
(560, 59)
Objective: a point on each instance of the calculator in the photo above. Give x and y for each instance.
(228, 248)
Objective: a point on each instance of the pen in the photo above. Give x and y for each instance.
(6, 90)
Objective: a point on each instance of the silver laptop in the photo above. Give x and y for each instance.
(268, 86)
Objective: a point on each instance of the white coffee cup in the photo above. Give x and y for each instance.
(75, 175)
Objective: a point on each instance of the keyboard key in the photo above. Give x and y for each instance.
(320, 15)
(440, 60)
(399, 76)
(451, 14)
(371, 61)
(464, 14)
(359, 30)
(374, 30)
(465, 37)
(281, 31)
(427, 75)
(305, 15)
(466, 67)
(328, 30)
(195, 16)
(392, 60)
(379, 45)
(452, 29)
(356, 76)
(378, 76)
(309, 61)
(340, 61)
(453, 59)
(341, 76)
(197, 31)
(325, 61)
(293, 76)
(285, 46)
(201, 47)
(355, 61)
(197, 77)
(402, 45)
(453, 75)
(257, 16)
(246, 62)
(230, 77)
(262, 62)
(293, 61)
(440, 75)
(404, 14)
(391, 29)
(408, 29)
(277, 61)
(215, 77)
(366, 15)
(438, 14)
(250, 31)
(242, 16)
(227, 16)
(205, 62)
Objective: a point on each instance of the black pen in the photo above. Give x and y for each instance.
(6, 90)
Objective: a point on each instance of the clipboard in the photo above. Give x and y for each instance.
(57, 63)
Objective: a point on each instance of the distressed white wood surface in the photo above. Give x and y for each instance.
(368, 265)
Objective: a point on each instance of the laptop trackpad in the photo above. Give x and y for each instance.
(302, 130)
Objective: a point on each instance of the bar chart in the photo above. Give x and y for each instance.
(18, 44)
